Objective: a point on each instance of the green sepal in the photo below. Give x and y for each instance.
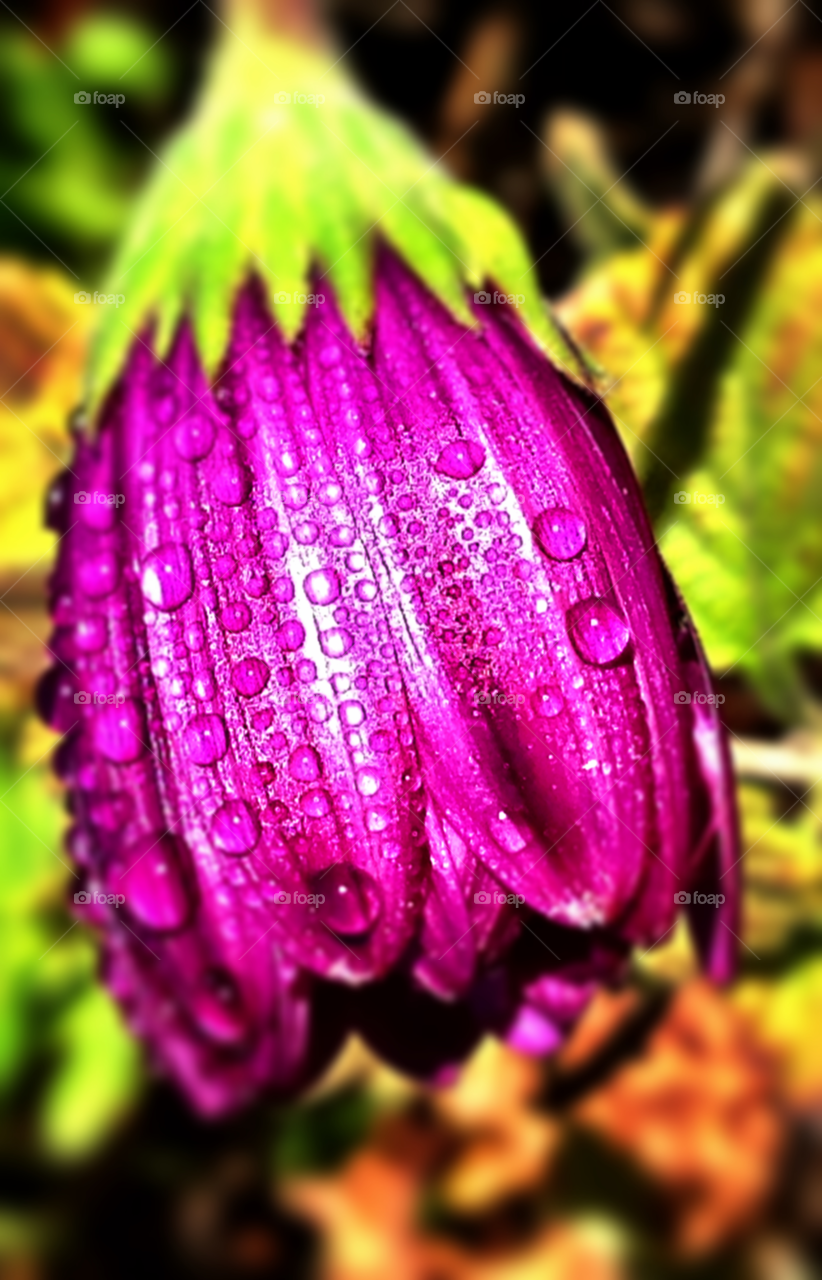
(298, 194)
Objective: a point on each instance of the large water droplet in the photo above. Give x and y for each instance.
(336, 642)
(352, 901)
(598, 633)
(561, 533)
(99, 576)
(152, 884)
(368, 782)
(119, 733)
(316, 803)
(290, 635)
(193, 437)
(217, 1009)
(234, 828)
(235, 616)
(322, 586)
(460, 459)
(250, 676)
(205, 739)
(168, 579)
(304, 764)
(232, 483)
(91, 634)
(547, 702)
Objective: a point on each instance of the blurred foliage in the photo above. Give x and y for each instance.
(76, 195)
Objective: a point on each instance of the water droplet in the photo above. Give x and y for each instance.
(460, 459)
(377, 818)
(352, 901)
(561, 533)
(217, 1009)
(234, 828)
(250, 676)
(119, 733)
(336, 642)
(152, 884)
(322, 586)
(99, 576)
(342, 535)
(91, 634)
(307, 533)
(295, 496)
(352, 714)
(319, 709)
(366, 590)
(304, 764)
(235, 616)
(205, 739)
(193, 437)
(368, 782)
(598, 633)
(389, 526)
(547, 702)
(232, 483)
(168, 580)
(290, 635)
(316, 803)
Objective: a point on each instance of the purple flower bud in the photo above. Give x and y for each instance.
(370, 685)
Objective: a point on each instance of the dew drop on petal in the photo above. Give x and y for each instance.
(99, 576)
(168, 580)
(91, 634)
(322, 586)
(205, 739)
(547, 702)
(598, 633)
(561, 533)
(304, 764)
(235, 616)
(351, 899)
(193, 437)
(290, 635)
(232, 483)
(250, 676)
(460, 459)
(152, 883)
(336, 642)
(119, 733)
(315, 803)
(234, 828)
